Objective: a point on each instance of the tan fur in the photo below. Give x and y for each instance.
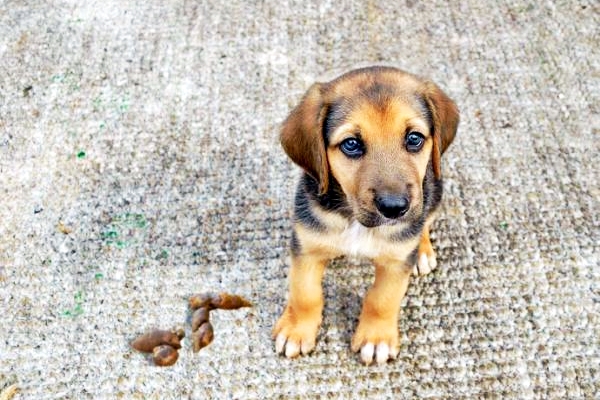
(381, 123)
(302, 316)
(384, 130)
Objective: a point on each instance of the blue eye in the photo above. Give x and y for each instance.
(414, 141)
(352, 148)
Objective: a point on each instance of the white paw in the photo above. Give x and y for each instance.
(292, 348)
(425, 264)
(380, 353)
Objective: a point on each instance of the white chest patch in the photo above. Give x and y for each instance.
(359, 241)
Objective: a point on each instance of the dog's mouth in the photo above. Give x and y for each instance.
(371, 219)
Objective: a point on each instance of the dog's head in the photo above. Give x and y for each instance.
(375, 131)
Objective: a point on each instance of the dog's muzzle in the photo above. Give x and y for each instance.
(392, 206)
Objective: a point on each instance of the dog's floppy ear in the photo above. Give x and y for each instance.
(302, 136)
(445, 118)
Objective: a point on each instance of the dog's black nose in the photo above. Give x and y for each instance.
(392, 206)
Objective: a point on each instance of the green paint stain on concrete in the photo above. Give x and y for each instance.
(77, 310)
(124, 230)
(163, 255)
(109, 234)
(124, 105)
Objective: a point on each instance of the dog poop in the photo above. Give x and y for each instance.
(162, 344)
(202, 337)
(164, 355)
(226, 301)
(223, 301)
(148, 341)
(199, 317)
(202, 304)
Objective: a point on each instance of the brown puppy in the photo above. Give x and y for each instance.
(370, 143)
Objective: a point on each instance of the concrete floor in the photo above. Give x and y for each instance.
(139, 164)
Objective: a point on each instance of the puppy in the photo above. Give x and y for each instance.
(370, 144)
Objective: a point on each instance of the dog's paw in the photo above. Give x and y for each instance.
(426, 261)
(294, 336)
(425, 264)
(377, 341)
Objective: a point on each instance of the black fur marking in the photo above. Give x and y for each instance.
(336, 115)
(303, 212)
(426, 111)
(432, 190)
(379, 94)
(413, 256)
(413, 230)
(335, 198)
(307, 196)
(295, 244)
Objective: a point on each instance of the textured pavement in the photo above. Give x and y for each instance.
(139, 164)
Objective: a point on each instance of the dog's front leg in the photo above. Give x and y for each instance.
(296, 330)
(377, 333)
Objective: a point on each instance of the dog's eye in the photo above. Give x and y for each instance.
(352, 148)
(414, 141)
